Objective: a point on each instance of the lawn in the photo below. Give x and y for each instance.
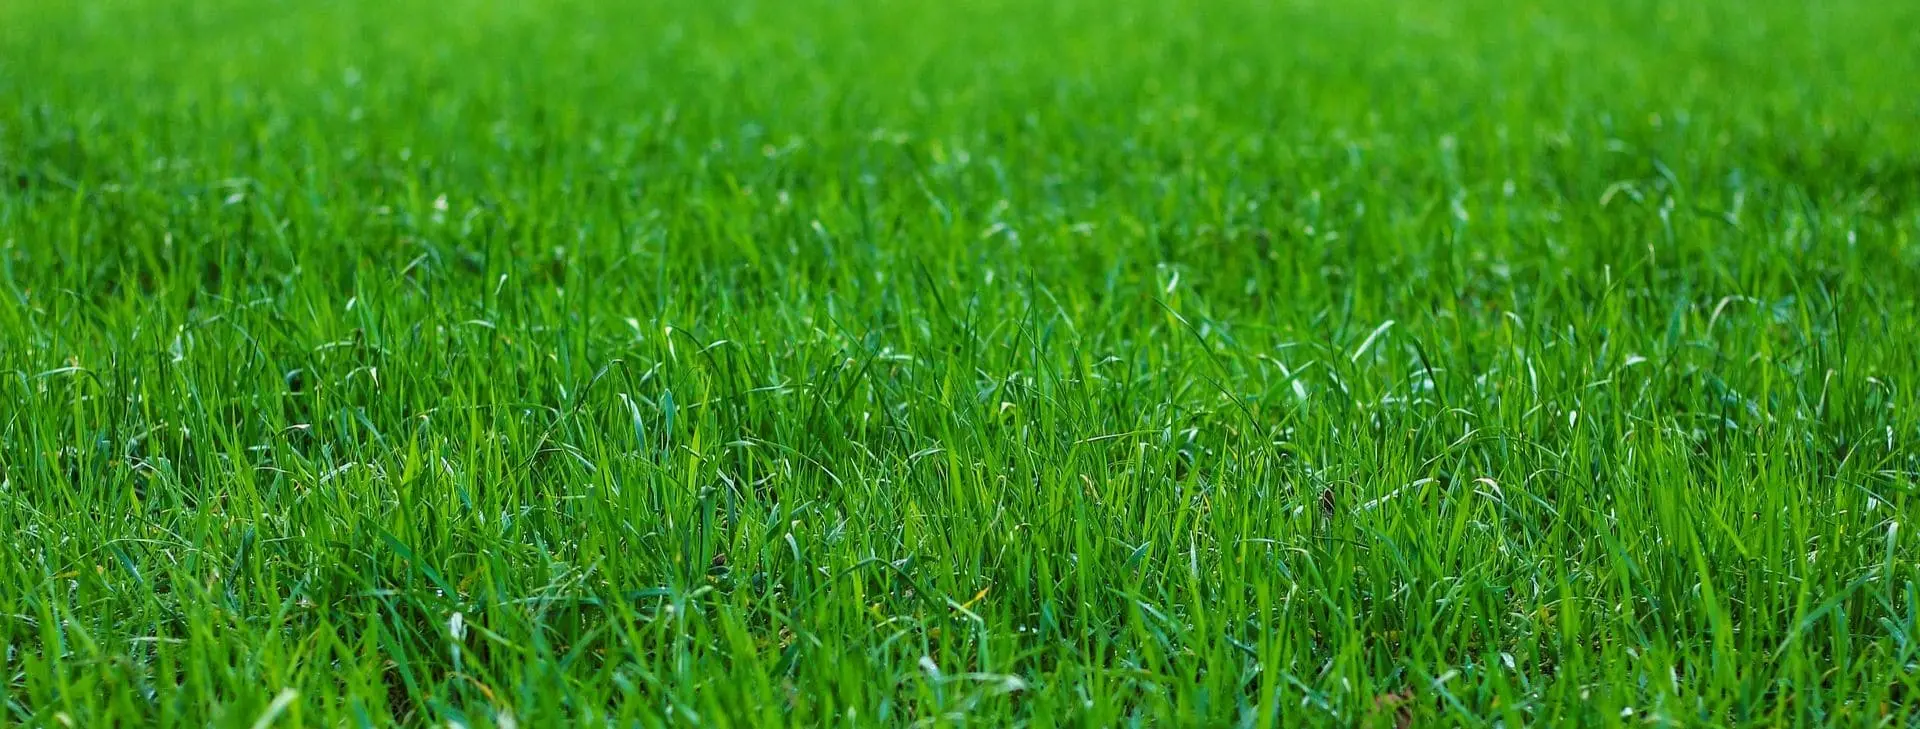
(1264, 363)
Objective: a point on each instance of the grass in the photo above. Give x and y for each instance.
(874, 362)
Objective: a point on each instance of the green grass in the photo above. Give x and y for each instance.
(876, 362)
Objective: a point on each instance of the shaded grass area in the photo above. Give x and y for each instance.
(864, 363)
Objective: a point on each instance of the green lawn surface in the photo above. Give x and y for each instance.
(1090, 363)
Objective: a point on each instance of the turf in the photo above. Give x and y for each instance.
(875, 362)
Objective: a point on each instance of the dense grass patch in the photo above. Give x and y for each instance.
(858, 362)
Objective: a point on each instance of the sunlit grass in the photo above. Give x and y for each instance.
(872, 362)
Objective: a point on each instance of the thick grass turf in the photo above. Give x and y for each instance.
(875, 362)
